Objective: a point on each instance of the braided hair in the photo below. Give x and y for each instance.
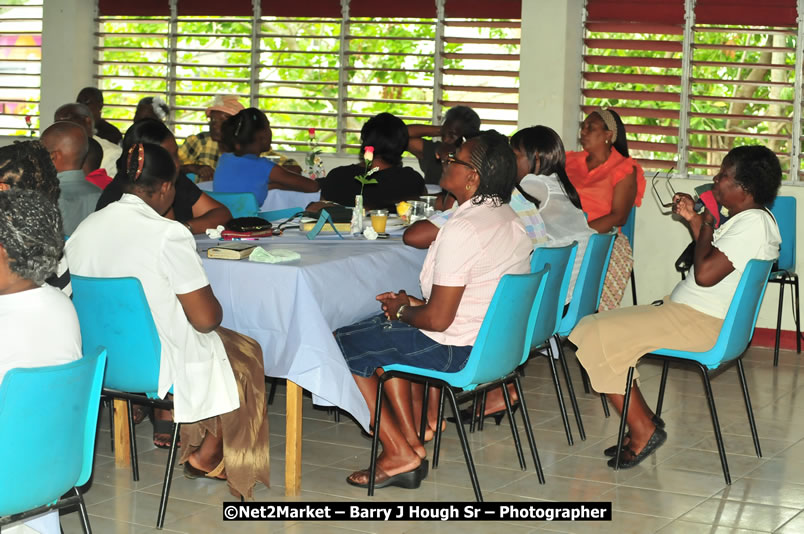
(495, 162)
(27, 165)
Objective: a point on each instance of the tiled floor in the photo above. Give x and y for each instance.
(679, 489)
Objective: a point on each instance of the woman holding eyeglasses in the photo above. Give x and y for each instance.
(690, 319)
(609, 183)
(480, 243)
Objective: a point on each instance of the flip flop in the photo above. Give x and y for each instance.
(409, 479)
(163, 426)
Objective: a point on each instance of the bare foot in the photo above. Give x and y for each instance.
(429, 432)
(214, 471)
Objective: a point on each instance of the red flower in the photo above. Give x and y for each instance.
(28, 120)
(311, 132)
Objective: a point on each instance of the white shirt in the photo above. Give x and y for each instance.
(751, 234)
(128, 238)
(111, 153)
(563, 221)
(38, 327)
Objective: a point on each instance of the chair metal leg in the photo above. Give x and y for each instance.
(749, 409)
(437, 439)
(337, 416)
(423, 425)
(482, 414)
(587, 387)
(110, 407)
(662, 385)
(561, 407)
(82, 509)
(376, 441)
(779, 322)
(605, 402)
(467, 454)
(472, 419)
(514, 430)
(798, 313)
(272, 391)
(529, 431)
(571, 391)
(624, 417)
(160, 518)
(715, 424)
(135, 468)
(633, 287)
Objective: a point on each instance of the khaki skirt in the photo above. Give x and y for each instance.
(611, 342)
(244, 431)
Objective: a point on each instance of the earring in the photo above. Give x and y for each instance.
(468, 187)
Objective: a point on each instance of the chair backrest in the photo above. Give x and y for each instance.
(589, 284)
(738, 326)
(48, 419)
(628, 227)
(503, 341)
(784, 209)
(284, 213)
(561, 261)
(239, 204)
(114, 313)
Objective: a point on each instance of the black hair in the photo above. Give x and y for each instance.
(495, 162)
(30, 233)
(27, 165)
(621, 143)
(388, 135)
(465, 116)
(88, 95)
(148, 166)
(94, 155)
(544, 144)
(145, 131)
(241, 129)
(757, 170)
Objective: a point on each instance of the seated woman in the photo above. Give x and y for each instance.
(241, 169)
(691, 317)
(460, 122)
(151, 107)
(217, 374)
(192, 207)
(31, 243)
(609, 183)
(388, 136)
(478, 245)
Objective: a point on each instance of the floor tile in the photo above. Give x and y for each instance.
(723, 512)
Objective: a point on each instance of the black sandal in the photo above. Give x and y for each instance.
(409, 479)
(611, 451)
(656, 440)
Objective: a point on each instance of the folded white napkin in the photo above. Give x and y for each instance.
(215, 233)
(274, 256)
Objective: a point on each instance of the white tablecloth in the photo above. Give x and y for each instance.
(292, 308)
(278, 199)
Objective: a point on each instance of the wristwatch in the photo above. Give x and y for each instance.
(399, 312)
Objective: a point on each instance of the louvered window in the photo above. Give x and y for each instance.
(20, 66)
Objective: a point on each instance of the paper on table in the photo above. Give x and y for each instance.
(274, 256)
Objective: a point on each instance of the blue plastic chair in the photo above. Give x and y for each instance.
(275, 215)
(784, 209)
(585, 301)
(239, 204)
(114, 313)
(737, 330)
(58, 408)
(502, 343)
(628, 231)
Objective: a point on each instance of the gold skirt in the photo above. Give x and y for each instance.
(611, 342)
(244, 431)
(618, 274)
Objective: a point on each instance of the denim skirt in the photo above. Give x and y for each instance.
(377, 342)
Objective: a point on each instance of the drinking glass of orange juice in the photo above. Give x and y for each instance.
(379, 218)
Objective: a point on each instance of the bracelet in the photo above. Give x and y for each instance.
(710, 224)
(399, 312)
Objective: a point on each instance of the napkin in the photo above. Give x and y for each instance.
(274, 256)
(369, 233)
(215, 233)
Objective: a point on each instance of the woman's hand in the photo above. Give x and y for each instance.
(683, 205)
(391, 302)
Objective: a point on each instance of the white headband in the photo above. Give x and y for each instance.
(608, 120)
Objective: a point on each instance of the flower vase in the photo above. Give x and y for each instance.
(357, 216)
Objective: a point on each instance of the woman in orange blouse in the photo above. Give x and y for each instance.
(609, 183)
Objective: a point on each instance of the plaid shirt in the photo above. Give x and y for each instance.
(201, 149)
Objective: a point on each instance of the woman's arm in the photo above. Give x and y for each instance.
(420, 234)
(202, 309)
(208, 213)
(281, 178)
(711, 265)
(622, 201)
(435, 315)
(416, 132)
